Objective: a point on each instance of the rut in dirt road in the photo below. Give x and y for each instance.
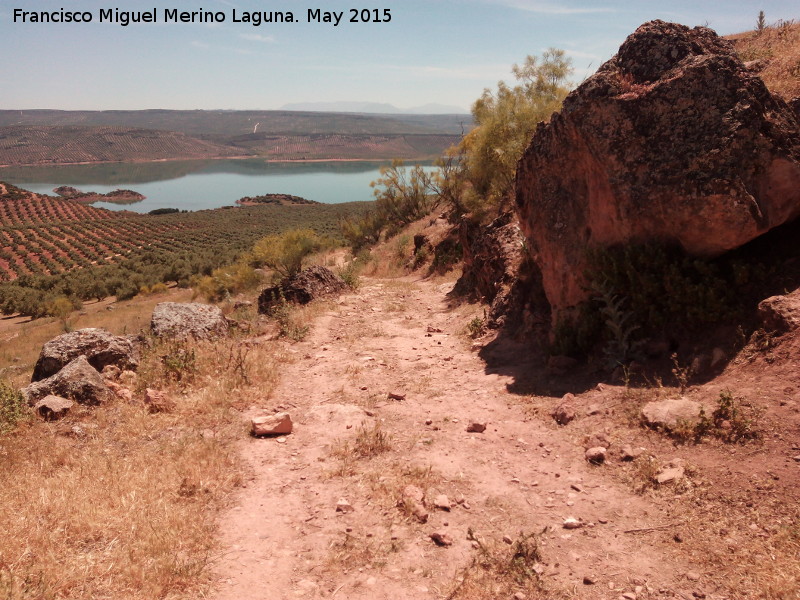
(520, 479)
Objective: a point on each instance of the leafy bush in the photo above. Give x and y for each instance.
(226, 281)
(12, 407)
(284, 253)
(505, 121)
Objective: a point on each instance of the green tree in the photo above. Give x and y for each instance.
(402, 194)
(505, 121)
(284, 253)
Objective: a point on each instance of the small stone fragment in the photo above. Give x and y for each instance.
(157, 401)
(52, 408)
(596, 455)
(277, 424)
(629, 453)
(669, 475)
(396, 396)
(588, 580)
(520, 596)
(629, 596)
(476, 427)
(693, 576)
(343, 506)
(412, 502)
(442, 539)
(594, 409)
(572, 523)
(565, 411)
(507, 539)
(442, 502)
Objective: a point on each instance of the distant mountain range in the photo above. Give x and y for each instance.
(375, 107)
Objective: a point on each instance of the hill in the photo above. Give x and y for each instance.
(777, 50)
(33, 137)
(239, 122)
(374, 107)
(71, 144)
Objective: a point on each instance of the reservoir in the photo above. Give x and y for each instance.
(197, 185)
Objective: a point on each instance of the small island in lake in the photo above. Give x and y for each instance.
(278, 199)
(115, 196)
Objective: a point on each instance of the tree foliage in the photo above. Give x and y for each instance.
(402, 195)
(284, 253)
(505, 121)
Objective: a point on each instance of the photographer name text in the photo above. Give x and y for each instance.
(124, 18)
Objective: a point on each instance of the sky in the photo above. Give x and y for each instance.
(431, 51)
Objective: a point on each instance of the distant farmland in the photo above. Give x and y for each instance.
(61, 137)
(44, 235)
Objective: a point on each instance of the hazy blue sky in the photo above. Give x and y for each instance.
(432, 51)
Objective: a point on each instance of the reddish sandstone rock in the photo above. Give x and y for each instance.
(671, 140)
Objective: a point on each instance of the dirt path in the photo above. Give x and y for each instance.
(285, 539)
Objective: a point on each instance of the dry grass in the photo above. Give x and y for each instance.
(767, 540)
(779, 46)
(500, 570)
(21, 339)
(116, 502)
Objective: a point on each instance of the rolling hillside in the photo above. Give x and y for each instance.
(71, 144)
(228, 123)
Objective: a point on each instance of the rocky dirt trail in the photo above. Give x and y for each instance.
(285, 538)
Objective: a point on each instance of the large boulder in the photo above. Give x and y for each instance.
(78, 381)
(672, 140)
(303, 287)
(100, 347)
(178, 320)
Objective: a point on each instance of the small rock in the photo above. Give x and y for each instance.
(588, 580)
(628, 596)
(594, 409)
(669, 413)
(442, 539)
(343, 506)
(693, 576)
(442, 502)
(52, 408)
(396, 396)
(277, 424)
(596, 455)
(520, 596)
(564, 412)
(628, 453)
(428, 421)
(669, 475)
(412, 502)
(507, 539)
(111, 372)
(476, 427)
(158, 401)
(572, 523)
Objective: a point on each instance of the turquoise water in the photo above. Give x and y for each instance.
(195, 185)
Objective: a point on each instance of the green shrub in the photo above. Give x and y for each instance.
(12, 407)
(284, 253)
